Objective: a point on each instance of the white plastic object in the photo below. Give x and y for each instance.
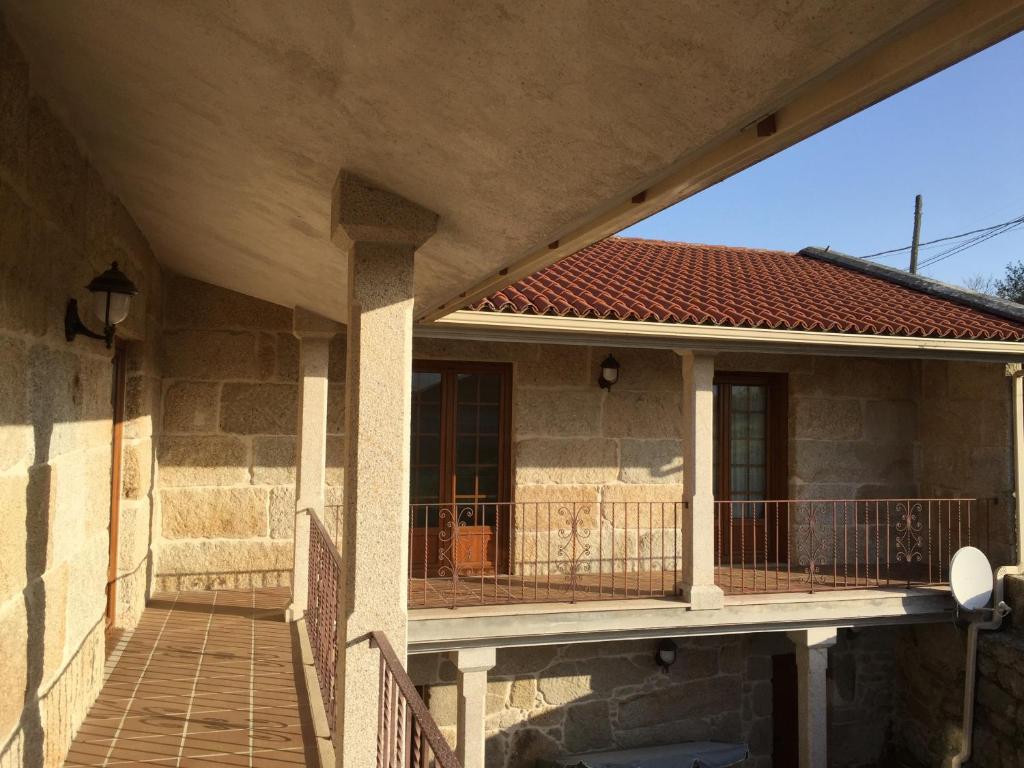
(970, 578)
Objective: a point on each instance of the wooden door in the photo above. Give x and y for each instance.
(119, 377)
(751, 466)
(785, 711)
(460, 480)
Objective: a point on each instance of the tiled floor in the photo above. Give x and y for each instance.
(469, 590)
(207, 679)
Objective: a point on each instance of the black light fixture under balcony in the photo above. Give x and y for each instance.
(112, 294)
(609, 373)
(666, 654)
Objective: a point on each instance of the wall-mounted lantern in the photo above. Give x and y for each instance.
(111, 298)
(666, 654)
(609, 373)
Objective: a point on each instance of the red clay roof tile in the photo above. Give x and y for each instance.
(658, 281)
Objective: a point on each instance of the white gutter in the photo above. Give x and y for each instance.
(503, 326)
(1001, 609)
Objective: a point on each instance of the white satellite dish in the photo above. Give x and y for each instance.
(970, 578)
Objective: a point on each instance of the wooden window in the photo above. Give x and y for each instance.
(750, 439)
(460, 462)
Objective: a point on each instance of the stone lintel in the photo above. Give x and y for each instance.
(309, 325)
(361, 212)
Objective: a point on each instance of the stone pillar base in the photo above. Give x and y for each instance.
(702, 597)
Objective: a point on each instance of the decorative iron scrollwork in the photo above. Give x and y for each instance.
(813, 541)
(909, 541)
(573, 547)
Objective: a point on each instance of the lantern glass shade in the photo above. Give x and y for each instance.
(609, 371)
(112, 294)
(111, 308)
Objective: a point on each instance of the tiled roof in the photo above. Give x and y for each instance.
(665, 282)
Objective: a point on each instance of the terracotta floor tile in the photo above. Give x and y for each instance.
(207, 666)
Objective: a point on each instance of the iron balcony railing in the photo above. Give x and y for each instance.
(825, 544)
(323, 602)
(493, 553)
(407, 735)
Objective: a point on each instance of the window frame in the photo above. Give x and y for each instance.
(776, 432)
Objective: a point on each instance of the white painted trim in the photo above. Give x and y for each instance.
(503, 626)
(502, 326)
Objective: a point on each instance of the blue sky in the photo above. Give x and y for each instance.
(956, 138)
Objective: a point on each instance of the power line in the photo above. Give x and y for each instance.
(1012, 223)
(959, 248)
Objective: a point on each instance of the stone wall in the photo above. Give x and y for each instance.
(928, 702)
(550, 701)
(862, 683)
(852, 423)
(576, 442)
(59, 227)
(227, 452)
(545, 702)
(965, 437)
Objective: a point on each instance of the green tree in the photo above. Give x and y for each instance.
(1011, 286)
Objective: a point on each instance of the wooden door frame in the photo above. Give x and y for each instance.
(119, 379)
(504, 541)
(776, 442)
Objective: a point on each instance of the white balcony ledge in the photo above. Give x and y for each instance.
(443, 629)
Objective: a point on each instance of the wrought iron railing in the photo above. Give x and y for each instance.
(811, 545)
(407, 735)
(322, 611)
(493, 553)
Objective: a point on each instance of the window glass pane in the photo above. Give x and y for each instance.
(426, 485)
(426, 386)
(465, 484)
(738, 451)
(758, 398)
(757, 482)
(465, 449)
(429, 450)
(488, 447)
(739, 481)
(468, 387)
(739, 424)
(757, 454)
(490, 388)
(429, 420)
(489, 419)
(757, 424)
(739, 397)
(466, 419)
(487, 485)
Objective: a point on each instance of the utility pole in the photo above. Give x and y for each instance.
(917, 235)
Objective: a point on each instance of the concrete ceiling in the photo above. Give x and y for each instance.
(222, 125)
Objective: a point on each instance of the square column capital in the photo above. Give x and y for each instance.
(361, 212)
(817, 637)
(310, 325)
(474, 659)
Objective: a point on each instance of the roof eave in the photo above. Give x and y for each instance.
(504, 326)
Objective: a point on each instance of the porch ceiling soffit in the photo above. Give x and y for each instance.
(222, 126)
(501, 326)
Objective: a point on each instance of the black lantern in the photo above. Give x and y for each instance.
(111, 298)
(666, 654)
(609, 373)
